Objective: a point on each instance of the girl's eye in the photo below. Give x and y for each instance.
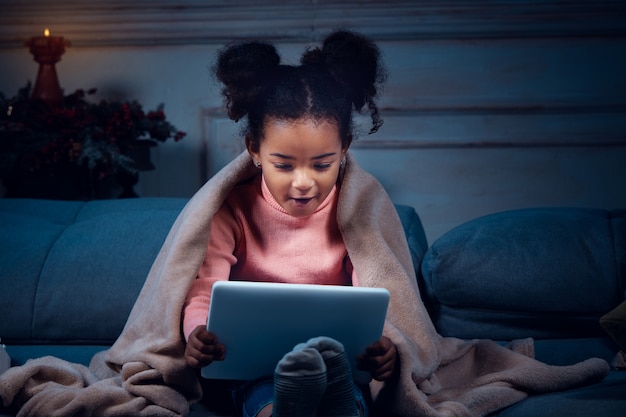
(322, 167)
(287, 167)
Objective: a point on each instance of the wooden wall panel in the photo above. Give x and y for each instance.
(489, 105)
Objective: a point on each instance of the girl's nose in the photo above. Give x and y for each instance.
(302, 180)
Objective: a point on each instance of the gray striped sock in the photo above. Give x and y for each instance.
(299, 383)
(339, 399)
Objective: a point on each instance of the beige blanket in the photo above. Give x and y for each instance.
(144, 373)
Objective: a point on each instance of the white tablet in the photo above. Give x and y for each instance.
(260, 322)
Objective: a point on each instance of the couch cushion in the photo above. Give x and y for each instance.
(28, 230)
(545, 273)
(51, 211)
(88, 271)
(602, 399)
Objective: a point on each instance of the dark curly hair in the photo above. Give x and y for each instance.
(345, 73)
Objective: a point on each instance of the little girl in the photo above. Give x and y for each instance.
(281, 226)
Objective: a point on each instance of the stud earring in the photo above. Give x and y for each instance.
(258, 164)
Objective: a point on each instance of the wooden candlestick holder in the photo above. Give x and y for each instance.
(47, 51)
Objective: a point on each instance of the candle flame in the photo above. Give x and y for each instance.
(46, 32)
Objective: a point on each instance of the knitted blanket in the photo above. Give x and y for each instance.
(144, 373)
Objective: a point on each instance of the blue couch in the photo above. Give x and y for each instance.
(70, 272)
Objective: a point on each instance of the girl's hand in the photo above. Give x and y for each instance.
(203, 348)
(379, 359)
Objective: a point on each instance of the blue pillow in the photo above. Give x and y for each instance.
(543, 272)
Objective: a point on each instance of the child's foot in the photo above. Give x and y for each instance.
(339, 400)
(299, 383)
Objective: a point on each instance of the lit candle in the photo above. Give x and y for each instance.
(47, 51)
(47, 46)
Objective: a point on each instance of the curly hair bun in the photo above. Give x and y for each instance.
(353, 61)
(342, 75)
(246, 70)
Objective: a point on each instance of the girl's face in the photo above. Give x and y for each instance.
(300, 160)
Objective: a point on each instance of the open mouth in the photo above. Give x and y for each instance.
(302, 202)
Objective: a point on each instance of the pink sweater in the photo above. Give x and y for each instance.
(254, 239)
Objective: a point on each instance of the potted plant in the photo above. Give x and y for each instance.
(76, 149)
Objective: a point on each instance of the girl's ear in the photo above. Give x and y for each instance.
(344, 151)
(253, 153)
